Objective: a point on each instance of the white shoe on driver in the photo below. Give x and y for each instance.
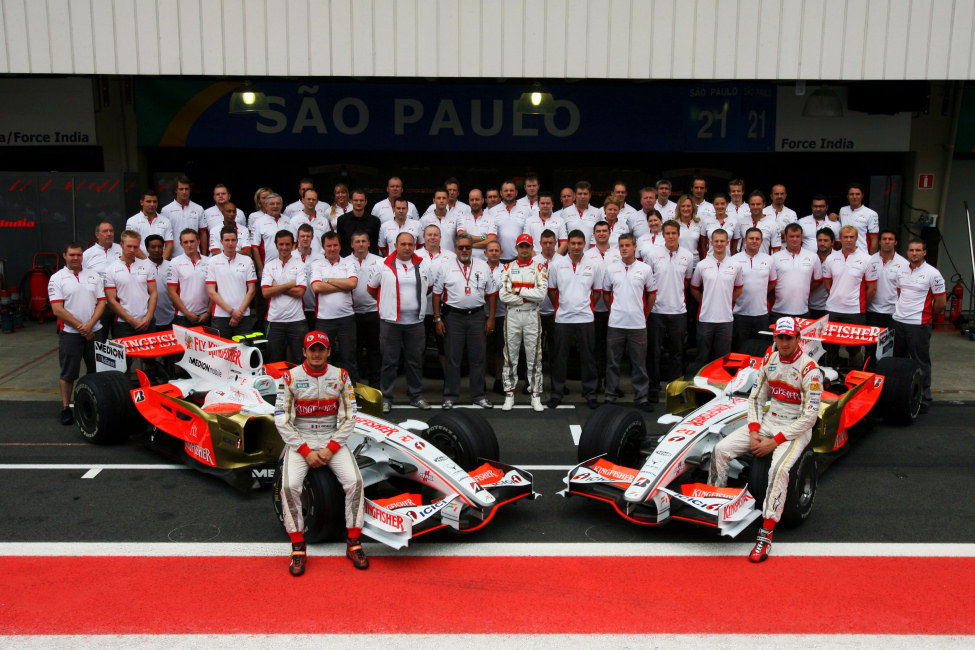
(509, 402)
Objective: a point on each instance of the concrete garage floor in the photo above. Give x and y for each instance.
(29, 369)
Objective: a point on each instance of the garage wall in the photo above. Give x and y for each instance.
(625, 39)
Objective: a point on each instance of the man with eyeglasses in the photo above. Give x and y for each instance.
(794, 384)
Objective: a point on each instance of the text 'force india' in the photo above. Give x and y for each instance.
(650, 480)
(210, 402)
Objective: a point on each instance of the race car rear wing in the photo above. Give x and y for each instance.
(816, 332)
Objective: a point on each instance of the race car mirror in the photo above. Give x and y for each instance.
(670, 418)
(742, 382)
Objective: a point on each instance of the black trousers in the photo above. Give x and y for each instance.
(368, 359)
(667, 333)
(748, 327)
(583, 337)
(341, 337)
(281, 336)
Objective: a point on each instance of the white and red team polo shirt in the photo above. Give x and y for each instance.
(534, 226)
(758, 276)
(771, 233)
(230, 278)
(384, 210)
(601, 260)
(264, 230)
(79, 293)
(465, 287)
(794, 276)
(478, 227)
(851, 274)
(575, 284)
(510, 223)
(131, 284)
(885, 299)
(448, 228)
(96, 258)
(362, 302)
(670, 269)
(283, 308)
(629, 285)
(811, 226)
(244, 243)
(390, 230)
(918, 288)
(337, 304)
(865, 220)
(719, 280)
(190, 280)
(160, 225)
(584, 220)
(182, 218)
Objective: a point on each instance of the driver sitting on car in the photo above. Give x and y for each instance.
(794, 383)
(315, 413)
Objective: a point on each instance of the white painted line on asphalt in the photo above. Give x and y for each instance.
(576, 431)
(92, 473)
(475, 406)
(86, 466)
(486, 641)
(545, 468)
(504, 549)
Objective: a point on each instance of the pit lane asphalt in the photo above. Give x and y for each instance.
(897, 484)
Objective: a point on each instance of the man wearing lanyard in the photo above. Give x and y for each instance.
(400, 283)
(629, 291)
(510, 219)
(464, 287)
(573, 288)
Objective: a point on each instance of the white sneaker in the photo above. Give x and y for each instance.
(537, 403)
(509, 402)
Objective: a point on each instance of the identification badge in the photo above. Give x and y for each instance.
(467, 290)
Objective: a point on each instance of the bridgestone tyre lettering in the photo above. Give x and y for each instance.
(900, 400)
(103, 408)
(464, 437)
(801, 493)
(616, 431)
(322, 504)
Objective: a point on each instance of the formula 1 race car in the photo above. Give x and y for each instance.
(650, 480)
(214, 409)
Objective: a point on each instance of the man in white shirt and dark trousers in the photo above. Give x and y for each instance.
(887, 264)
(183, 213)
(97, 257)
(186, 283)
(546, 310)
(601, 254)
(865, 220)
(400, 283)
(334, 279)
(367, 322)
(629, 290)
(852, 284)
(751, 308)
(921, 297)
(797, 273)
(672, 267)
(165, 313)
(573, 286)
(130, 289)
(231, 286)
(283, 284)
(465, 287)
(77, 298)
(716, 284)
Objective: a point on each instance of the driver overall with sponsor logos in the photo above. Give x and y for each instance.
(315, 412)
(794, 383)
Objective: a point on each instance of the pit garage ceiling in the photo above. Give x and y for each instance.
(554, 39)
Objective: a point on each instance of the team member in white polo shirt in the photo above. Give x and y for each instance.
(654, 236)
(341, 206)
(672, 267)
(759, 276)
(699, 190)
(390, 230)
(367, 326)
(921, 298)
(817, 297)
(886, 264)
(771, 233)
(97, 257)
(852, 283)
(465, 287)
(509, 219)
(783, 216)
(601, 254)
(401, 283)
(573, 287)
(436, 256)
(130, 289)
(148, 222)
(305, 184)
(478, 223)
(187, 282)
(865, 220)
(821, 217)
(716, 284)
(212, 220)
(309, 214)
(530, 200)
(442, 218)
(567, 197)
(797, 273)
(690, 227)
(386, 209)
(455, 208)
(580, 215)
(77, 298)
(304, 252)
(719, 219)
(228, 218)
(334, 279)
(612, 217)
(737, 205)
(231, 286)
(259, 208)
(183, 213)
(283, 284)
(546, 220)
(629, 291)
(546, 310)
(164, 314)
(266, 227)
(666, 207)
(638, 218)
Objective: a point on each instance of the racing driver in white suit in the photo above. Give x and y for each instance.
(794, 383)
(315, 413)
(524, 285)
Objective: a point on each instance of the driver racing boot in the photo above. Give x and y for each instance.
(762, 545)
(354, 552)
(298, 555)
(509, 401)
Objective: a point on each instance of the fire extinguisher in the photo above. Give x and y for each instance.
(953, 308)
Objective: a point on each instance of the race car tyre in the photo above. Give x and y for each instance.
(756, 347)
(803, 480)
(463, 437)
(103, 407)
(322, 504)
(616, 431)
(900, 399)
